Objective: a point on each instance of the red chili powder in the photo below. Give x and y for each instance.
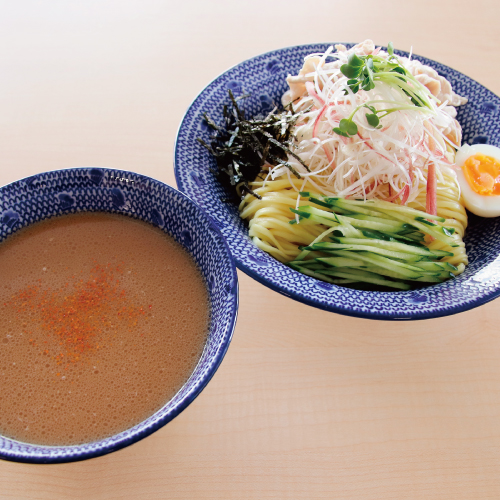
(81, 315)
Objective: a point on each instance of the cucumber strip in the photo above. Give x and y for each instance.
(301, 263)
(412, 232)
(348, 230)
(435, 274)
(425, 221)
(386, 205)
(388, 245)
(376, 235)
(326, 247)
(313, 274)
(438, 266)
(391, 274)
(329, 205)
(338, 204)
(430, 267)
(327, 219)
(399, 276)
(339, 222)
(433, 279)
(342, 262)
(439, 232)
(450, 267)
(316, 267)
(367, 224)
(380, 261)
(379, 235)
(303, 254)
(337, 233)
(430, 277)
(390, 222)
(343, 281)
(394, 246)
(332, 219)
(367, 278)
(411, 236)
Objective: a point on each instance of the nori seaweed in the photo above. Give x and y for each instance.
(243, 146)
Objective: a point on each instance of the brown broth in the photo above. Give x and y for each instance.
(103, 319)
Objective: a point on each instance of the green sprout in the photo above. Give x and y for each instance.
(364, 71)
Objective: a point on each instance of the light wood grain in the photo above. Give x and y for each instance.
(307, 404)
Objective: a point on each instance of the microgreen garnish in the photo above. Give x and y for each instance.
(346, 128)
(364, 71)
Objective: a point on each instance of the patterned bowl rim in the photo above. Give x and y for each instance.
(72, 453)
(484, 298)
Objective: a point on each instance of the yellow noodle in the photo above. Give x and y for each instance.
(269, 217)
(450, 207)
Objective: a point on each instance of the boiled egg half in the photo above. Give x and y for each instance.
(478, 172)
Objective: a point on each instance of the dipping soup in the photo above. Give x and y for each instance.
(104, 318)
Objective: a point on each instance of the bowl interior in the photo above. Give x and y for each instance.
(263, 78)
(95, 189)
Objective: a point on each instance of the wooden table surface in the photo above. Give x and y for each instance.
(306, 404)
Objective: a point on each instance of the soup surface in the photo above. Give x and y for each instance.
(103, 319)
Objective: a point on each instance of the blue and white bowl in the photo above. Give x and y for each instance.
(263, 77)
(97, 189)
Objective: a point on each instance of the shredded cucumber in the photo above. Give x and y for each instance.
(374, 242)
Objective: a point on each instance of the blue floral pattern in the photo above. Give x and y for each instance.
(266, 102)
(480, 139)
(235, 86)
(274, 66)
(488, 107)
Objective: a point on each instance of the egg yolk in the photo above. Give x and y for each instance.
(483, 174)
